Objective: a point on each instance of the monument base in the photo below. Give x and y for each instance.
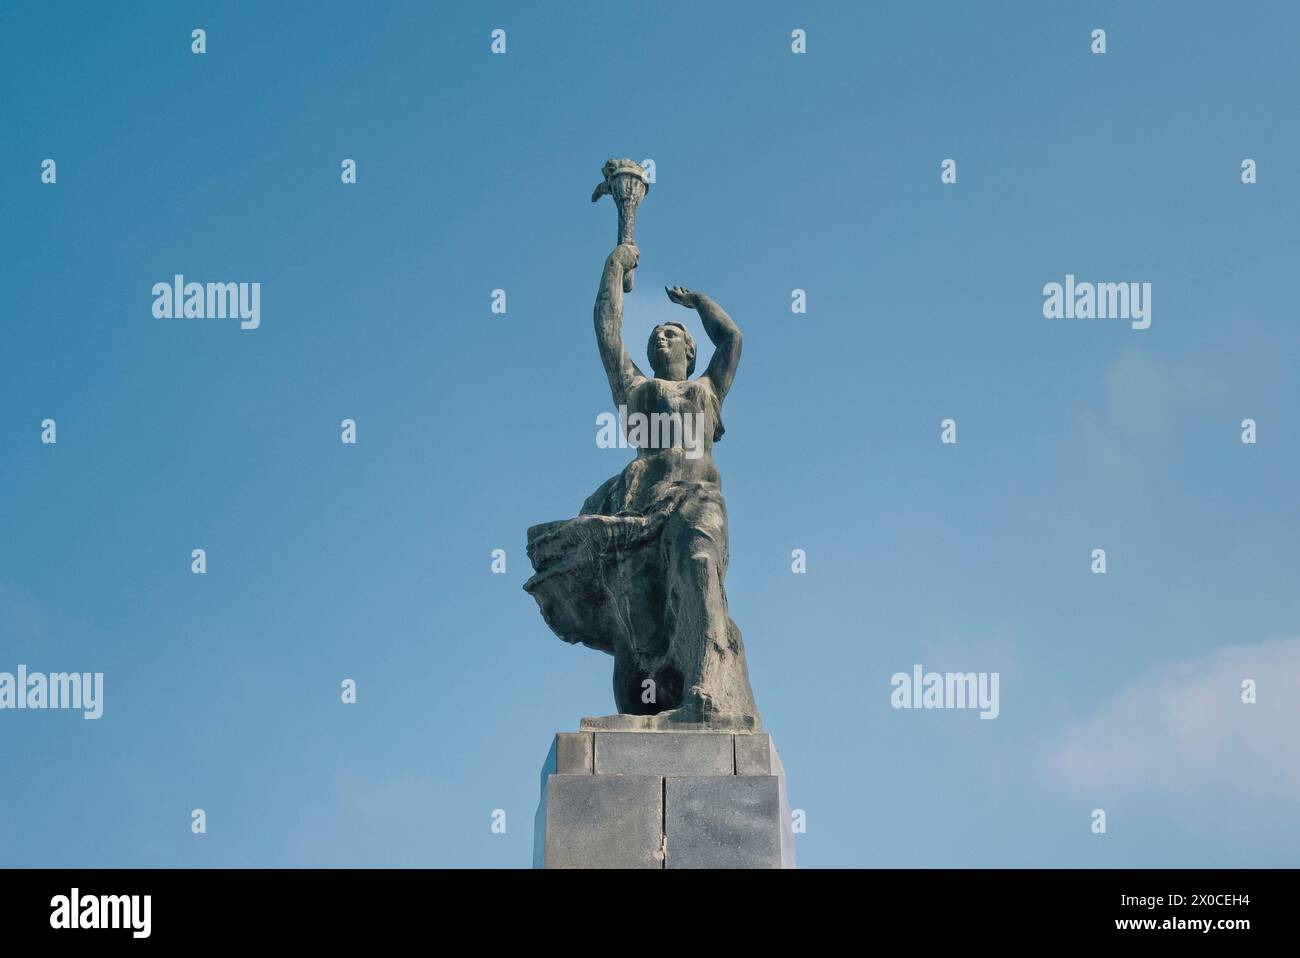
(668, 722)
(648, 799)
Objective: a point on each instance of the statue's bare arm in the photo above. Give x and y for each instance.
(724, 333)
(622, 373)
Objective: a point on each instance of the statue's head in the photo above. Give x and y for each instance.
(671, 351)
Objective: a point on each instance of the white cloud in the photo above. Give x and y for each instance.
(1144, 399)
(1184, 731)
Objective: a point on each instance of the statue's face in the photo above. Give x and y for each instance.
(667, 351)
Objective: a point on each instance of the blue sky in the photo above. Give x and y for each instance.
(774, 171)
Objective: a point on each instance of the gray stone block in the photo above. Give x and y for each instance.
(665, 753)
(663, 799)
(539, 817)
(666, 722)
(573, 753)
(726, 821)
(612, 821)
(755, 755)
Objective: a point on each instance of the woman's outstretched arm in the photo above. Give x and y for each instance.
(622, 373)
(724, 333)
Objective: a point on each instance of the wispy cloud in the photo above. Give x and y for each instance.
(1144, 397)
(1184, 730)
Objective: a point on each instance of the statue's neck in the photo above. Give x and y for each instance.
(672, 375)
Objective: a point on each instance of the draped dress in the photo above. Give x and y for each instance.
(638, 573)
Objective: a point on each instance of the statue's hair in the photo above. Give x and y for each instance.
(690, 344)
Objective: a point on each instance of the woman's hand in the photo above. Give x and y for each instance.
(683, 296)
(626, 256)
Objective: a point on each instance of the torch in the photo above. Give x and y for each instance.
(627, 182)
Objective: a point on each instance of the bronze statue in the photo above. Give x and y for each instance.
(639, 572)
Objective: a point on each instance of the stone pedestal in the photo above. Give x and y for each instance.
(692, 799)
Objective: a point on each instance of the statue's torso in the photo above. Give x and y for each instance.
(681, 418)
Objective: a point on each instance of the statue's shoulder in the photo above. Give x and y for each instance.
(707, 388)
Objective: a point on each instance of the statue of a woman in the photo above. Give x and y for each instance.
(639, 573)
